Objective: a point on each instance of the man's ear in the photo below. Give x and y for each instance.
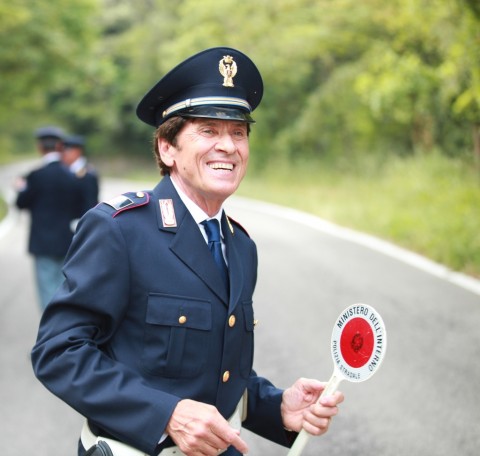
(167, 151)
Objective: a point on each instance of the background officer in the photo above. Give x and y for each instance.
(52, 196)
(74, 157)
(157, 342)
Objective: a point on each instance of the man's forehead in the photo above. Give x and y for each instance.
(217, 122)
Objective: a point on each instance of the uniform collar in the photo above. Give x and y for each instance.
(51, 157)
(78, 164)
(198, 214)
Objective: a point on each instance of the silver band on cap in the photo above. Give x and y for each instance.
(202, 101)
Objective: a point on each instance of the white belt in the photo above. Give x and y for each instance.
(89, 439)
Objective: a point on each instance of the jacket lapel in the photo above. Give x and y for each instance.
(188, 243)
(235, 270)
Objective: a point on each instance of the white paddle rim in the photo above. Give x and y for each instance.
(358, 346)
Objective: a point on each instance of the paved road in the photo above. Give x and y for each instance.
(424, 400)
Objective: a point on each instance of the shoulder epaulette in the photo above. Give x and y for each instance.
(128, 201)
(231, 223)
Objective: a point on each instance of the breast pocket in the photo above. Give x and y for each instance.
(177, 336)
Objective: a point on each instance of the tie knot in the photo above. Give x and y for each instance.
(212, 228)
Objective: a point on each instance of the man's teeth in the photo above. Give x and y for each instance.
(227, 166)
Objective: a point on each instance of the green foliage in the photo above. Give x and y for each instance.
(44, 42)
(41, 40)
(341, 77)
(3, 208)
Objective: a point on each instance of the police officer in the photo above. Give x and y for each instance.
(74, 157)
(52, 196)
(145, 338)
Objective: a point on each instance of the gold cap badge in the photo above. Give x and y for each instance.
(228, 69)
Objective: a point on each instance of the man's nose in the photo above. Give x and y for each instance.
(226, 144)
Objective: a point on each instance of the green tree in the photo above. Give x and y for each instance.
(42, 41)
(461, 69)
(342, 78)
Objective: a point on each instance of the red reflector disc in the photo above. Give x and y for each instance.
(356, 342)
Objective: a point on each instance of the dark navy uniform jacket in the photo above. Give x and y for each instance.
(52, 196)
(142, 321)
(90, 188)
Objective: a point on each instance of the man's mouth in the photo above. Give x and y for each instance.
(225, 166)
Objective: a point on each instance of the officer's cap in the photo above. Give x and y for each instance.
(74, 141)
(219, 83)
(49, 132)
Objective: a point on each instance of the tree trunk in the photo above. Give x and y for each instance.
(476, 145)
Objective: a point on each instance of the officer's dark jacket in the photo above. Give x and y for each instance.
(89, 183)
(52, 196)
(142, 322)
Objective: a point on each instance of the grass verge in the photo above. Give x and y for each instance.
(427, 204)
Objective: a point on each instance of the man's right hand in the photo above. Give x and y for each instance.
(200, 430)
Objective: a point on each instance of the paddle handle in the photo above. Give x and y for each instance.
(303, 436)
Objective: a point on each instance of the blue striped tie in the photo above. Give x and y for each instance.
(212, 228)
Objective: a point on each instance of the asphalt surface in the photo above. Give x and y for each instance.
(424, 400)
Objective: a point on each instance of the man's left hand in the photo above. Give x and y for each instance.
(302, 409)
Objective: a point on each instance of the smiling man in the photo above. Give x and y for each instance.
(208, 161)
(151, 335)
